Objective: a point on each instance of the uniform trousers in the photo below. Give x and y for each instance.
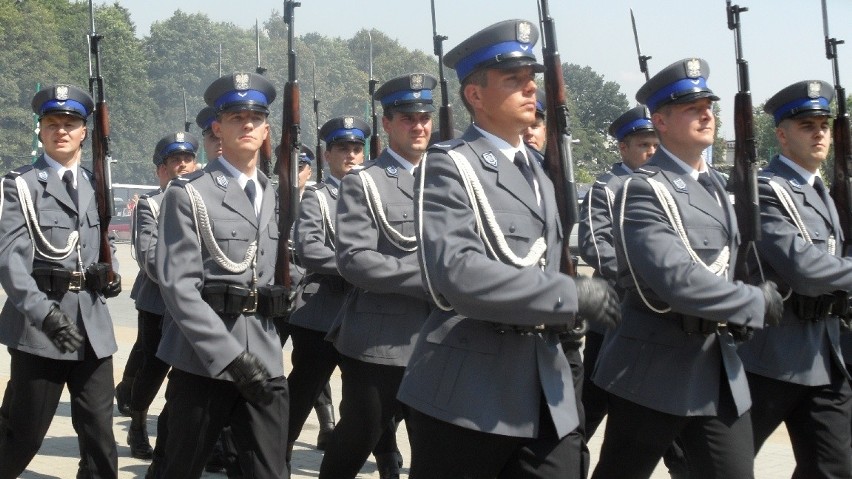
(817, 420)
(367, 409)
(30, 402)
(152, 370)
(199, 407)
(636, 438)
(594, 397)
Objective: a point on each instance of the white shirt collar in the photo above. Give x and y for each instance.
(60, 170)
(402, 161)
(686, 168)
(807, 175)
(243, 179)
(504, 146)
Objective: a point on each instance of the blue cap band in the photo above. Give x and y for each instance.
(792, 108)
(244, 96)
(637, 124)
(344, 133)
(511, 49)
(407, 96)
(173, 147)
(676, 89)
(64, 106)
(539, 106)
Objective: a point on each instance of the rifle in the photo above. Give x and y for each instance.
(560, 162)
(841, 189)
(643, 59)
(375, 141)
(186, 122)
(445, 114)
(220, 61)
(288, 186)
(265, 153)
(100, 148)
(743, 181)
(318, 150)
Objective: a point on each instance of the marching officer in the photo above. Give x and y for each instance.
(174, 155)
(376, 251)
(55, 321)
(216, 251)
(671, 368)
(314, 358)
(795, 371)
(490, 391)
(637, 142)
(535, 135)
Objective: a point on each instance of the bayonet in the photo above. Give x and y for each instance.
(643, 59)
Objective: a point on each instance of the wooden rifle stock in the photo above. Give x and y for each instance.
(100, 149)
(288, 188)
(743, 181)
(558, 156)
(318, 150)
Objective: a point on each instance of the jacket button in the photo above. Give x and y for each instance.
(234, 233)
(405, 215)
(558, 302)
(512, 229)
(705, 242)
(816, 233)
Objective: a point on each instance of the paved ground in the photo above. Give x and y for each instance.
(58, 455)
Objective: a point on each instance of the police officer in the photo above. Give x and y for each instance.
(490, 391)
(174, 155)
(376, 252)
(795, 371)
(671, 367)
(210, 142)
(55, 321)
(216, 249)
(637, 142)
(535, 135)
(314, 358)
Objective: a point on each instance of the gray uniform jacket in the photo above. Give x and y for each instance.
(649, 359)
(26, 306)
(382, 316)
(323, 292)
(146, 290)
(798, 351)
(464, 370)
(595, 226)
(196, 339)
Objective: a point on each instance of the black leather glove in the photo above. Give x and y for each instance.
(251, 378)
(597, 301)
(61, 331)
(740, 333)
(114, 288)
(774, 303)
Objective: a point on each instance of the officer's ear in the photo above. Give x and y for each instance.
(85, 132)
(473, 95)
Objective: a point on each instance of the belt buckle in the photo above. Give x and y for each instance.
(252, 302)
(76, 281)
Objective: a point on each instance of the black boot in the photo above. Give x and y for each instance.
(122, 396)
(137, 436)
(325, 416)
(83, 470)
(388, 465)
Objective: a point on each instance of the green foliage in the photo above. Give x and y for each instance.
(145, 78)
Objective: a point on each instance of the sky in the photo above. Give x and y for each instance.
(782, 40)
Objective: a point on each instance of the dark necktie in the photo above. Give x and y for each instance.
(521, 163)
(251, 192)
(68, 179)
(819, 186)
(707, 183)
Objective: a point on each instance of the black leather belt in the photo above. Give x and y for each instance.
(526, 330)
(233, 300)
(334, 283)
(812, 308)
(58, 280)
(689, 324)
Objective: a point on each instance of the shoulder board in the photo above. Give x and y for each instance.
(183, 179)
(362, 166)
(86, 170)
(316, 186)
(447, 145)
(647, 170)
(19, 171)
(765, 175)
(604, 178)
(150, 194)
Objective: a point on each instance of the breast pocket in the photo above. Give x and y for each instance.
(707, 241)
(401, 217)
(519, 230)
(232, 237)
(56, 226)
(818, 231)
